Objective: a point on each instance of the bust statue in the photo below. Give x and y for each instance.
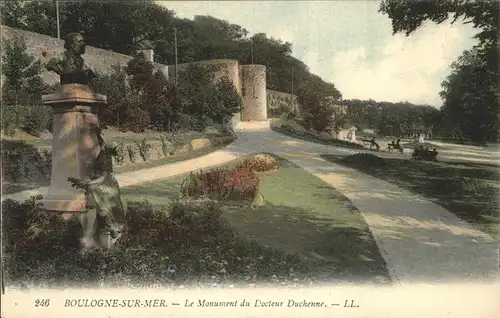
(70, 65)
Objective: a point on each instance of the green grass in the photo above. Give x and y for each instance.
(468, 190)
(302, 215)
(293, 129)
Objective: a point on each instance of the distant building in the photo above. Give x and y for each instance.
(368, 131)
(346, 133)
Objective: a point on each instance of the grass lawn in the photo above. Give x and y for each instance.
(293, 129)
(468, 190)
(301, 216)
(10, 187)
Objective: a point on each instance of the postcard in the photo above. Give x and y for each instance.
(250, 158)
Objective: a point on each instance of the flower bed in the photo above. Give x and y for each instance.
(260, 163)
(237, 184)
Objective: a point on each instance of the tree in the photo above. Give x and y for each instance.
(391, 118)
(23, 84)
(317, 105)
(23, 89)
(471, 92)
(471, 99)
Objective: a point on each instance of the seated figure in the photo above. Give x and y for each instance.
(373, 143)
(103, 197)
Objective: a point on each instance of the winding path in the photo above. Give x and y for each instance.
(420, 241)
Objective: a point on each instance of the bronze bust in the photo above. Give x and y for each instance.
(70, 66)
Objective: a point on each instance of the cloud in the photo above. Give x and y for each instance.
(282, 32)
(404, 68)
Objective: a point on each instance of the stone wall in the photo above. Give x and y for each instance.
(253, 79)
(103, 62)
(279, 103)
(27, 164)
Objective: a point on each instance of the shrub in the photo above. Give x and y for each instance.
(288, 128)
(144, 149)
(176, 140)
(365, 159)
(38, 120)
(260, 162)
(11, 118)
(166, 147)
(120, 152)
(228, 102)
(181, 243)
(34, 238)
(237, 184)
(460, 184)
(131, 153)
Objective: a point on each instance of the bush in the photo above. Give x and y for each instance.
(22, 91)
(11, 118)
(144, 149)
(38, 120)
(365, 159)
(228, 102)
(237, 184)
(260, 162)
(463, 185)
(33, 238)
(185, 243)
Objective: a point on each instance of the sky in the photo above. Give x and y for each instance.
(350, 44)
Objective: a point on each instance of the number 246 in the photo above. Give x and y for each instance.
(42, 303)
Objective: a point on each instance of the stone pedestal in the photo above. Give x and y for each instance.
(74, 145)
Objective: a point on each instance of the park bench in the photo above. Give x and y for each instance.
(371, 142)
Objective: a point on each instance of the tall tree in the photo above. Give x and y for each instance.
(471, 93)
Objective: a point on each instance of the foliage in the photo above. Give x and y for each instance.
(229, 102)
(317, 106)
(148, 25)
(131, 153)
(165, 146)
(471, 93)
(37, 120)
(237, 184)
(23, 89)
(144, 149)
(408, 16)
(184, 243)
(392, 119)
(23, 84)
(120, 152)
(176, 140)
(11, 118)
(140, 98)
(260, 162)
(471, 100)
(126, 107)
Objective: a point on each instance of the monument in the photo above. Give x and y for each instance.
(81, 182)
